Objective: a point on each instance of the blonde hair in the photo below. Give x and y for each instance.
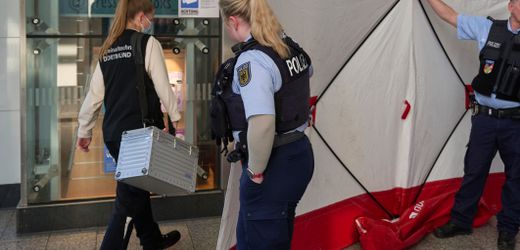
(265, 27)
(125, 10)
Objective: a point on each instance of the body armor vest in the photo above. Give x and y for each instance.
(499, 70)
(291, 100)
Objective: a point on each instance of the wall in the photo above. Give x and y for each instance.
(10, 140)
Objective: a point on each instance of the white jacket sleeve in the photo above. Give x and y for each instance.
(156, 69)
(91, 105)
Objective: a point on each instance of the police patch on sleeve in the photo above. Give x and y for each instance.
(244, 74)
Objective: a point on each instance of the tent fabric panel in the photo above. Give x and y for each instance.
(360, 114)
(330, 182)
(438, 101)
(228, 222)
(451, 161)
(330, 31)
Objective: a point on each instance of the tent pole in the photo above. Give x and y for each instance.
(357, 49)
(463, 115)
(390, 215)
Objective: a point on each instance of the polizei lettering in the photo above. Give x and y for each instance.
(494, 44)
(297, 64)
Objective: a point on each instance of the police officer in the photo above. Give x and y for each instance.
(268, 103)
(495, 120)
(114, 83)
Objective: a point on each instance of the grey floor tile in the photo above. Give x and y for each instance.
(132, 244)
(204, 232)
(430, 242)
(79, 240)
(99, 236)
(493, 222)
(36, 243)
(185, 243)
(5, 218)
(10, 233)
(485, 236)
(204, 221)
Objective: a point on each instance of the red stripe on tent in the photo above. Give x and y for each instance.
(333, 227)
(406, 110)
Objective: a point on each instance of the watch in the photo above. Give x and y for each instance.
(252, 174)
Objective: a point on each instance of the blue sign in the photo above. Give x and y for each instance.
(103, 7)
(109, 164)
(163, 8)
(189, 4)
(107, 8)
(74, 8)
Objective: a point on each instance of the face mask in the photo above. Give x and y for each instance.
(149, 29)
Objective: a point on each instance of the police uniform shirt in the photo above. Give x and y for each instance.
(477, 28)
(258, 91)
(156, 69)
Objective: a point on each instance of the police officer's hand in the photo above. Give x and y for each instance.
(258, 180)
(83, 144)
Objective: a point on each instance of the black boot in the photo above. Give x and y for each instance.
(166, 241)
(449, 230)
(506, 241)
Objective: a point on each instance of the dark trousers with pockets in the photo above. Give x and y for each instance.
(130, 202)
(489, 135)
(267, 210)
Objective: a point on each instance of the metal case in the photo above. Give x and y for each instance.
(156, 161)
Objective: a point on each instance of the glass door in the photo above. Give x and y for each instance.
(63, 41)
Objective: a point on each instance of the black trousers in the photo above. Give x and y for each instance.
(130, 202)
(489, 135)
(267, 210)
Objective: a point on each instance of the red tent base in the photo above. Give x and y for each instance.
(333, 227)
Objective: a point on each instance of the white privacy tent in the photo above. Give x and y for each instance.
(391, 122)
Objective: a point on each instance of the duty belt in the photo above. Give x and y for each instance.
(511, 113)
(280, 140)
(240, 153)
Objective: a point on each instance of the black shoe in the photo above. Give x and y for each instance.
(449, 230)
(166, 241)
(506, 241)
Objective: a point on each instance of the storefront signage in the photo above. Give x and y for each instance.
(74, 8)
(199, 8)
(107, 8)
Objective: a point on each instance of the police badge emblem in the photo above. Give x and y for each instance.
(488, 67)
(244, 74)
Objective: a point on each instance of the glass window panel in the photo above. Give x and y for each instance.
(62, 48)
(86, 17)
(57, 75)
(180, 27)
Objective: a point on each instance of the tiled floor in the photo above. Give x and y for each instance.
(197, 234)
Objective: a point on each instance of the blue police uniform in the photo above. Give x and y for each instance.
(489, 134)
(267, 210)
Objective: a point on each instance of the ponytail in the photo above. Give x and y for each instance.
(265, 27)
(125, 11)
